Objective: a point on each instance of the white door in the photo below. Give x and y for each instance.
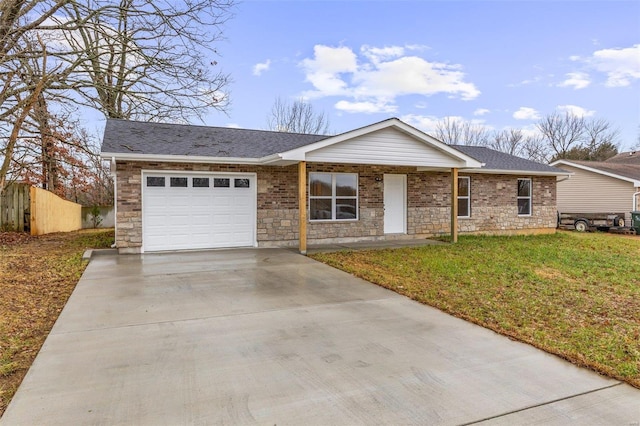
(183, 211)
(395, 204)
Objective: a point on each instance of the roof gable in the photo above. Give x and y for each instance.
(388, 146)
(389, 142)
(622, 171)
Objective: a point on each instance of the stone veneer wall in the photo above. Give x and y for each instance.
(493, 203)
(493, 206)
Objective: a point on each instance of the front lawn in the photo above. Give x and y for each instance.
(574, 295)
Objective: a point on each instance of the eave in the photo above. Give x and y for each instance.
(635, 182)
(516, 172)
(179, 158)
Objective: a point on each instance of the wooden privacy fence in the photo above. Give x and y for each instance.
(25, 208)
(15, 208)
(50, 213)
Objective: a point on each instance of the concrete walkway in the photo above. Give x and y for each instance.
(364, 245)
(266, 336)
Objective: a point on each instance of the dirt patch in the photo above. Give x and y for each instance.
(14, 238)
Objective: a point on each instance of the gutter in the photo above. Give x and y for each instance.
(180, 158)
(518, 172)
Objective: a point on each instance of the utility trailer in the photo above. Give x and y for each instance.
(582, 222)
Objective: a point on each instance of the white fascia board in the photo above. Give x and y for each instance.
(516, 172)
(598, 171)
(299, 154)
(180, 158)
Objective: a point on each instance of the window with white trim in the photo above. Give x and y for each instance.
(524, 197)
(464, 196)
(333, 196)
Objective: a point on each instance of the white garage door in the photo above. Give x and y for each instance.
(197, 211)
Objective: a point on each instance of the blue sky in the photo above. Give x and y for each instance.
(500, 63)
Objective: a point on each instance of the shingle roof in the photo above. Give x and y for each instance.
(632, 157)
(631, 171)
(138, 137)
(496, 160)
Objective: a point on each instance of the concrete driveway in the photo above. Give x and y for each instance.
(266, 336)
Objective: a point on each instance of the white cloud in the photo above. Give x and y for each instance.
(261, 67)
(426, 123)
(233, 126)
(575, 110)
(413, 75)
(324, 69)
(481, 111)
(577, 80)
(526, 113)
(533, 80)
(379, 75)
(622, 66)
(377, 54)
(365, 107)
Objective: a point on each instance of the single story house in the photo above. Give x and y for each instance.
(193, 187)
(600, 186)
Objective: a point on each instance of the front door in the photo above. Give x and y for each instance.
(395, 204)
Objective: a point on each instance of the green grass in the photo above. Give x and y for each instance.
(574, 295)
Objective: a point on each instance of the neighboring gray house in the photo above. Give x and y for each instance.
(600, 186)
(193, 187)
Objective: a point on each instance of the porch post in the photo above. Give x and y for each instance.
(454, 205)
(302, 206)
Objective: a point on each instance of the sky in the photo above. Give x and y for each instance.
(503, 64)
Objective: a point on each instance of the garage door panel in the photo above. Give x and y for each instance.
(198, 216)
(202, 220)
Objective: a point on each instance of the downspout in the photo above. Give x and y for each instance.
(115, 200)
(635, 195)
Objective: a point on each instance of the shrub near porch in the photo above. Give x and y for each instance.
(574, 295)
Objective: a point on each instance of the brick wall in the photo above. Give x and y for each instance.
(493, 203)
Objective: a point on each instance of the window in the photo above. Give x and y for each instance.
(221, 182)
(200, 182)
(178, 182)
(155, 181)
(333, 196)
(524, 197)
(464, 196)
(241, 183)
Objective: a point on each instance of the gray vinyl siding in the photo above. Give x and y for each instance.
(588, 192)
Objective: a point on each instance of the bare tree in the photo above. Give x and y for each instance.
(458, 132)
(145, 59)
(22, 23)
(35, 78)
(562, 132)
(535, 148)
(510, 141)
(577, 138)
(297, 117)
(54, 152)
(601, 136)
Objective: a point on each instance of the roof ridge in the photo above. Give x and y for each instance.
(205, 126)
